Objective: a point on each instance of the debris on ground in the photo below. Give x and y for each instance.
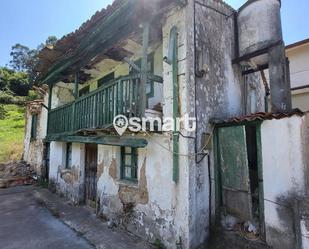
(16, 174)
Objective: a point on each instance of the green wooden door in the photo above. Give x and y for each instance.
(235, 171)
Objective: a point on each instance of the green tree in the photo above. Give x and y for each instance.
(25, 59)
(14, 82)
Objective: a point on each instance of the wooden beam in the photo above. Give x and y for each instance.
(105, 30)
(132, 64)
(50, 92)
(144, 70)
(106, 140)
(76, 82)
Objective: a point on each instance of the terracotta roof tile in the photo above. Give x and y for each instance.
(260, 116)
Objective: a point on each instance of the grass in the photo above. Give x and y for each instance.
(12, 134)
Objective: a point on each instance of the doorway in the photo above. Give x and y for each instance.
(91, 158)
(240, 173)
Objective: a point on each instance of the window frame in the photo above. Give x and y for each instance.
(133, 164)
(68, 155)
(105, 79)
(84, 91)
(34, 126)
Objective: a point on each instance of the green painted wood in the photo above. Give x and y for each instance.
(144, 69)
(106, 140)
(34, 127)
(96, 109)
(76, 82)
(106, 30)
(235, 171)
(233, 158)
(173, 60)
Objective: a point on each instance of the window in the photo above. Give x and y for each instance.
(106, 79)
(34, 124)
(84, 91)
(68, 156)
(129, 163)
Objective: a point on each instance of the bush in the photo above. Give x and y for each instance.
(3, 112)
(32, 95)
(6, 97)
(19, 87)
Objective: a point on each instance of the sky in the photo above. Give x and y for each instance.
(31, 22)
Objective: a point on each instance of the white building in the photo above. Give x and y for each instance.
(171, 59)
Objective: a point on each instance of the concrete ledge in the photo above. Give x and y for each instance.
(85, 222)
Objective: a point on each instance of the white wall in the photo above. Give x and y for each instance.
(299, 65)
(33, 149)
(68, 182)
(163, 214)
(284, 169)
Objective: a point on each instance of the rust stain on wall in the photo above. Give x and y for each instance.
(113, 169)
(70, 176)
(135, 194)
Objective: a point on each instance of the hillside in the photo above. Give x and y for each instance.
(12, 133)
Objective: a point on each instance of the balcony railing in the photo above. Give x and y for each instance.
(98, 108)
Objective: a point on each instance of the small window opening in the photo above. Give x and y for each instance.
(68, 159)
(34, 124)
(129, 163)
(106, 79)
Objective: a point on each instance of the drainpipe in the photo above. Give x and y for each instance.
(172, 59)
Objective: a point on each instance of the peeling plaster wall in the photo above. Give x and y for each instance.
(62, 94)
(219, 93)
(154, 208)
(285, 168)
(216, 94)
(33, 149)
(67, 182)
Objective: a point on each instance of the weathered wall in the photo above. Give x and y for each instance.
(62, 94)
(67, 182)
(215, 94)
(285, 169)
(154, 208)
(33, 148)
(107, 66)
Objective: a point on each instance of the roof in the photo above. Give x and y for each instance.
(68, 43)
(297, 44)
(101, 32)
(260, 116)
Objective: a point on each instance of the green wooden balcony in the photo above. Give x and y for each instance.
(98, 108)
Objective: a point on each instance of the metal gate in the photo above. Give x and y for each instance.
(91, 173)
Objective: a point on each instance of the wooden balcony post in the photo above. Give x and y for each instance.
(50, 92)
(144, 70)
(76, 82)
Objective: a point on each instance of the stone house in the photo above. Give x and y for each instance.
(174, 58)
